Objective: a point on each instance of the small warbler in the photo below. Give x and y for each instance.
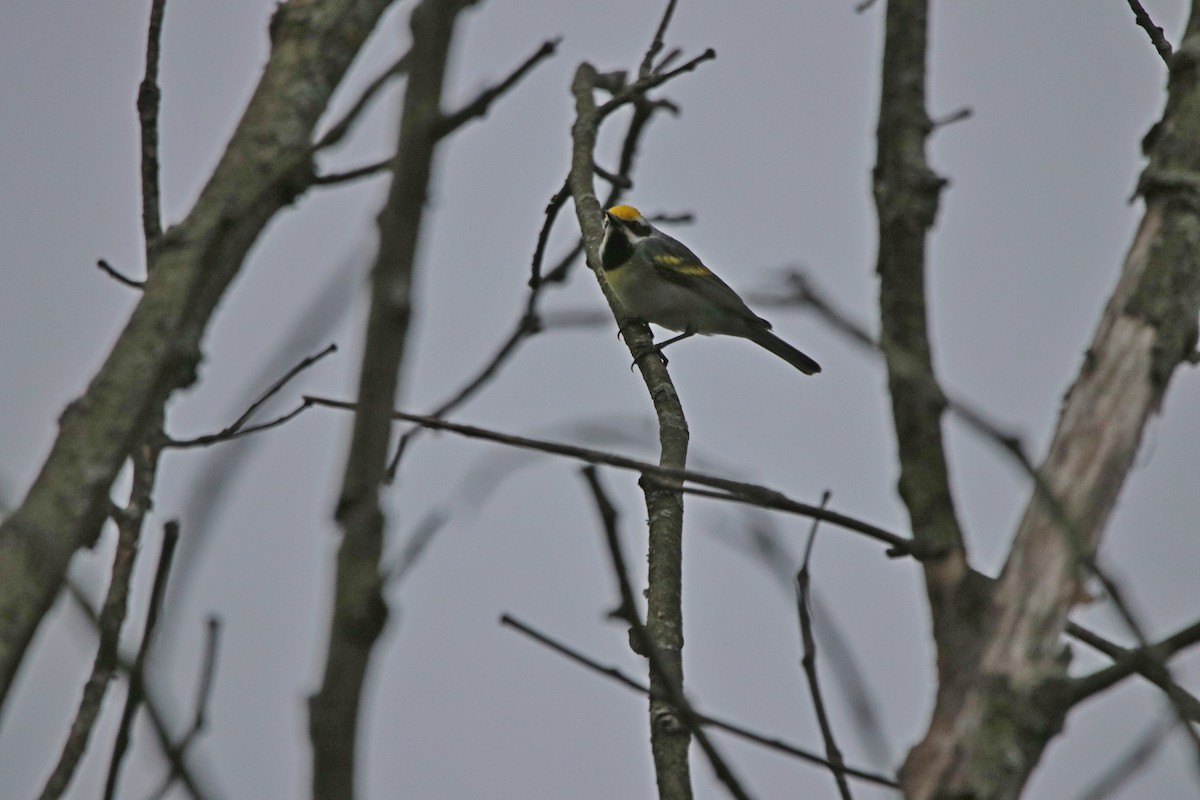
(659, 280)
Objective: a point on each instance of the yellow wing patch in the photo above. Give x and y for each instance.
(627, 213)
(681, 265)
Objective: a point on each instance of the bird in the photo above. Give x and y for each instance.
(658, 279)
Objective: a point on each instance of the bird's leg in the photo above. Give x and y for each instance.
(657, 348)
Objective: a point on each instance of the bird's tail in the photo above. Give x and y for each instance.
(764, 338)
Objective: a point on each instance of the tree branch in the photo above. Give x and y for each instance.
(262, 170)
(530, 322)
(137, 690)
(736, 730)
(359, 610)
(109, 621)
(1147, 662)
(666, 478)
(1146, 331)
(669, 737)
(1157, 37)
(148, 101)
(906, 194)
(662, 671)
(803, 582)
(238, 427)
(480, 105)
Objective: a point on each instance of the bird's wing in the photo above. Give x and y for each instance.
(673, 261)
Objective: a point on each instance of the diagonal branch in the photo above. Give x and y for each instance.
(803, 605)
(703, 719)
(261, 171)
(238, 427)
(1157, 37)
(1144, 661)
(664, 478)
(480, 105)
(109, 621)
(137, 688)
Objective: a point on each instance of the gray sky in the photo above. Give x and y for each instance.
(772, 154)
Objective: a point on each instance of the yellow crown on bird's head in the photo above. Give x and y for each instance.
(627, 213)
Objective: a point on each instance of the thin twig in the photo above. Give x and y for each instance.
(961, 115)
(762, 541)
(356, 174)
(112, 272)
(738, 491)
(803, 581)
(109, 621)
(236, 428)
(150, 705)
(668, 679)
(479, 106)
(656, 45)
(557, 201)
(620, 677)
(1157, 37)
(148, 100)
(639, 87)
(1147, 662)
(136, 676)
(339, 129)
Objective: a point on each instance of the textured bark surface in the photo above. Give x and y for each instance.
(266, 164)
(985, 741)
(669, 736)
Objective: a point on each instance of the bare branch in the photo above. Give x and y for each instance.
(137, 689)
(339, 129)
(739, 731)
(1157, 37)
(656, 45)
(906, 192)
(356, 174)
(238, 428)
(480, 105)
(112, 272)
(109, 621)
(148, 101)
(359, 611)
(668, 477)
(669, 683)
(159, 349)
(669, 736)
(639, 87)
(150, 705)
(803, 581)
(1145, 661)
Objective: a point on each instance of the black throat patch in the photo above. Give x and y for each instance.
(617, 250)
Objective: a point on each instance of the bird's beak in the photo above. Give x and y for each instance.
(608, 217)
